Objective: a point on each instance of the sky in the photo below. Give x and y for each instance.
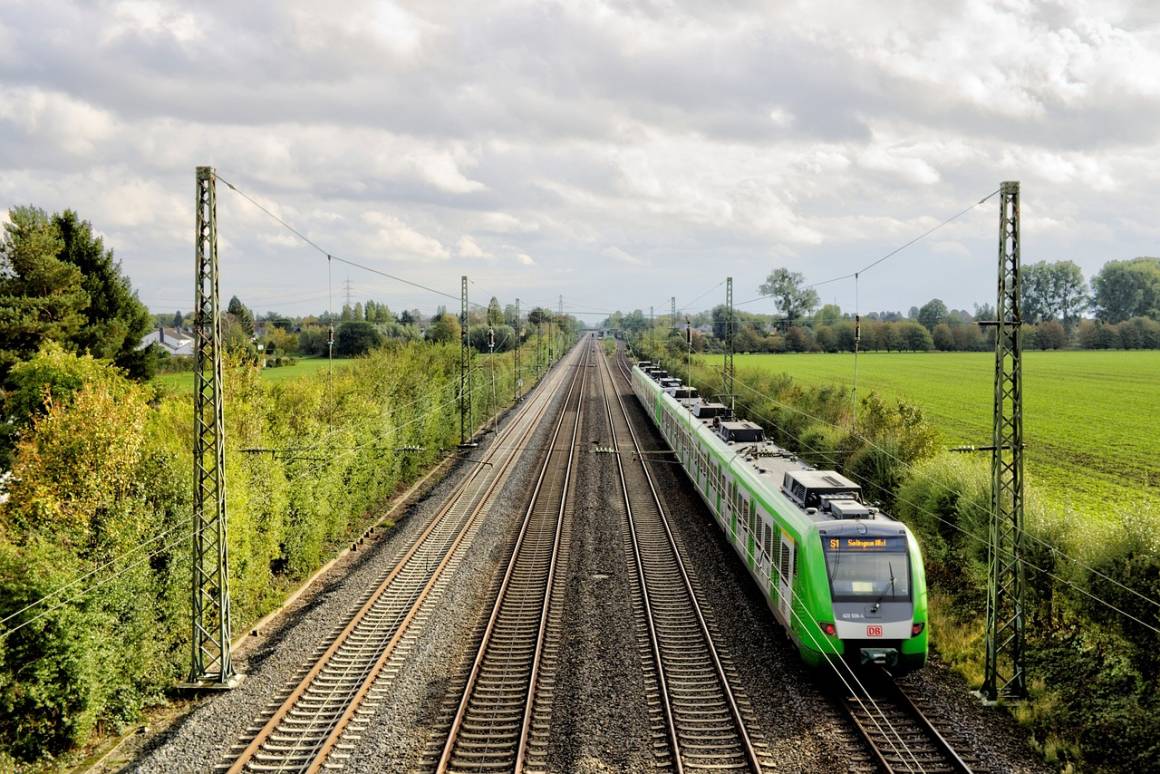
(615, 153)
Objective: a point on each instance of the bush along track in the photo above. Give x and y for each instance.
(94, 535)
(1092, 622)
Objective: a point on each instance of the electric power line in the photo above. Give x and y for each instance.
(895, 251)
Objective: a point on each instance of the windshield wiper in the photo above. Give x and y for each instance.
(878, 602)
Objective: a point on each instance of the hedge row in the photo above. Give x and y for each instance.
(102, 485)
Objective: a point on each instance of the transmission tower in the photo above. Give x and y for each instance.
(349, 306)
(727, 372)
(464, 365)
(211, 665)
(674, 314)
(1004, 675)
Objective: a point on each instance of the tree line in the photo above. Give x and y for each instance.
(1123, 302)
(360, 328)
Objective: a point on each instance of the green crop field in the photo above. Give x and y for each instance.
(183, 382)
(1091, 418)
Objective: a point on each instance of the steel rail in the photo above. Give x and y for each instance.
(484, 650)
(745, 742)
(927, 747)
(524, 422)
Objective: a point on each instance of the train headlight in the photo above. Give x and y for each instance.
(829, 629)
(916, 629)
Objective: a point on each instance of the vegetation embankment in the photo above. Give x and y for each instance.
(1093, 668)
(100, 506)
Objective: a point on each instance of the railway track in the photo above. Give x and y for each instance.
(322, 713)
(500, 721)
(899, 735)
(701, 719)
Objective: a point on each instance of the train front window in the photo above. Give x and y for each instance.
(868, 569)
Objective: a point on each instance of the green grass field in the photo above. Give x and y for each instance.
(183, 382)
(1091, 418)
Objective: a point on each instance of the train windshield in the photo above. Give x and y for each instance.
(868, 569)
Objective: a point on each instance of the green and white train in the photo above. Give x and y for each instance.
(844, 579)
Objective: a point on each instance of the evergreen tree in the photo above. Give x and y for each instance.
(41, 296)
(242, 314)
(115, 319)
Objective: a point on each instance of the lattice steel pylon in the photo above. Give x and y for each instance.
(464, 365)
(727, 372)
(1004, 675)
(673, 322)
(211, 664)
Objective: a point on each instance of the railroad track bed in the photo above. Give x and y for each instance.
(701, 717)
(896, 729)
(503, 700)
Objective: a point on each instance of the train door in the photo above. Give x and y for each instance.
(765, 548)
(731, 509)
(753, 536)
(785, 578)
(715, 488)
(744, 531)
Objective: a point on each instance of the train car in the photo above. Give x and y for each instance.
(843, 579)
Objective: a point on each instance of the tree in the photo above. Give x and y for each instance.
(178, 319)
(747, 339)
(944, 339)
(914, 337)
(1053, 291)
(1050, 335)
(242, 314)
(115, 319)
(494, 312)
(828, 314)
(445, 329)
(356, 337)
(785, 287)
(358, 313)
(798, 339)
(510, 317)
(1125, 289)
(932, 313)
(41, 296)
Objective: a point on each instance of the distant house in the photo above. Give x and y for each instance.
(176, 342)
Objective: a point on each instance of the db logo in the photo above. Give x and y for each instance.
(873, 631)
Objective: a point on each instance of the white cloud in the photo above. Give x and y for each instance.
(467, 247)
(394, 238)
(151, 19)
(617, 254)
(601, 137)
(55, 118)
